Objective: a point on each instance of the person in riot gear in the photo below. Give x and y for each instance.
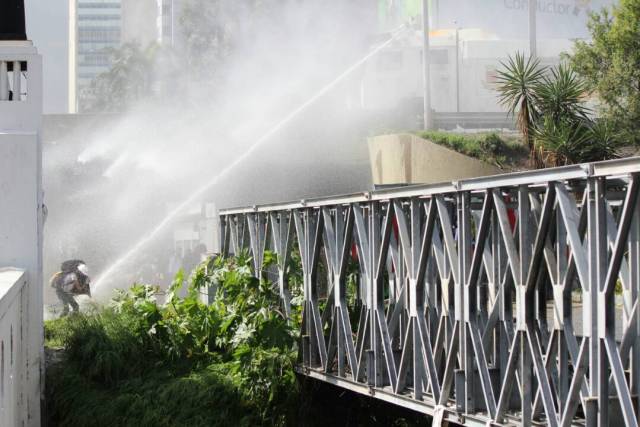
(72, 279)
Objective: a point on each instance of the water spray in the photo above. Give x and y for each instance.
(246, 154)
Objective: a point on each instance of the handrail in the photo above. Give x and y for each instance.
(562, 173)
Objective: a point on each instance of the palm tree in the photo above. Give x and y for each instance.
(560, 95)
(551, 114)
(517, 83)
(561, 142)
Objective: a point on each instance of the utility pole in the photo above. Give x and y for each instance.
(173, 24)
(426, 61)
(533, 10)
(457, 67)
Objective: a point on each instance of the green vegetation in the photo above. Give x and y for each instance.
(609, 65)
(126, 82)
(552, 115)
(210, 31)
(490, 147)
(516, 85)
(139, 362)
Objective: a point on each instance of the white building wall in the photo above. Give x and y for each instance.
(21, 207)
(13, 324)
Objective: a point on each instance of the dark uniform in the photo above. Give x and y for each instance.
(70, 281)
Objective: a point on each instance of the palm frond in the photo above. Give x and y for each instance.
(561, 93)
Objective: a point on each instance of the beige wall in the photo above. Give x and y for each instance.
(408, 159)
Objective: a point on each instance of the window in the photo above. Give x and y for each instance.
(99, 6)
(99, 17)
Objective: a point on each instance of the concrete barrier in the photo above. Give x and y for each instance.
(408, 159)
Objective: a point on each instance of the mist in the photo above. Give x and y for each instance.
(132, 168)
(118, 176)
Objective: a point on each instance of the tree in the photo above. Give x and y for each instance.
(207, 33)
(129, 79)
(609, 63)
(552, 115)
(517, 84)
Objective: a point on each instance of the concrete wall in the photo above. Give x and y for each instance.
(13, 326)
(408, 159)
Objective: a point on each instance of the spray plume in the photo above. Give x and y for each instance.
(193, 197)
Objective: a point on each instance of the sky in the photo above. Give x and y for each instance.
(48, 27)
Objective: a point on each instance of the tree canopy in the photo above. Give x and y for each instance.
(610, 66)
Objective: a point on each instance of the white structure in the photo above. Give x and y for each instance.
(13, 299)
(21, 220)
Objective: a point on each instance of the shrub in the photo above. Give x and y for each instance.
(240, 346)
(489, 147)
(552, 115)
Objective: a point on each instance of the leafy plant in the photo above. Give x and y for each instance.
(552, 114)
(560, 142)
(243, 333)
(560, 95)
(608, 61)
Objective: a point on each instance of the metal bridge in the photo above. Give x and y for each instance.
(504, 300)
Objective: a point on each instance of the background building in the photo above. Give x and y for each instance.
(168, 15)
(99, 29)
(557, 19)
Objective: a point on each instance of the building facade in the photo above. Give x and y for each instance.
(98, 31)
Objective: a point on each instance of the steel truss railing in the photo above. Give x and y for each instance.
(467, 293)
